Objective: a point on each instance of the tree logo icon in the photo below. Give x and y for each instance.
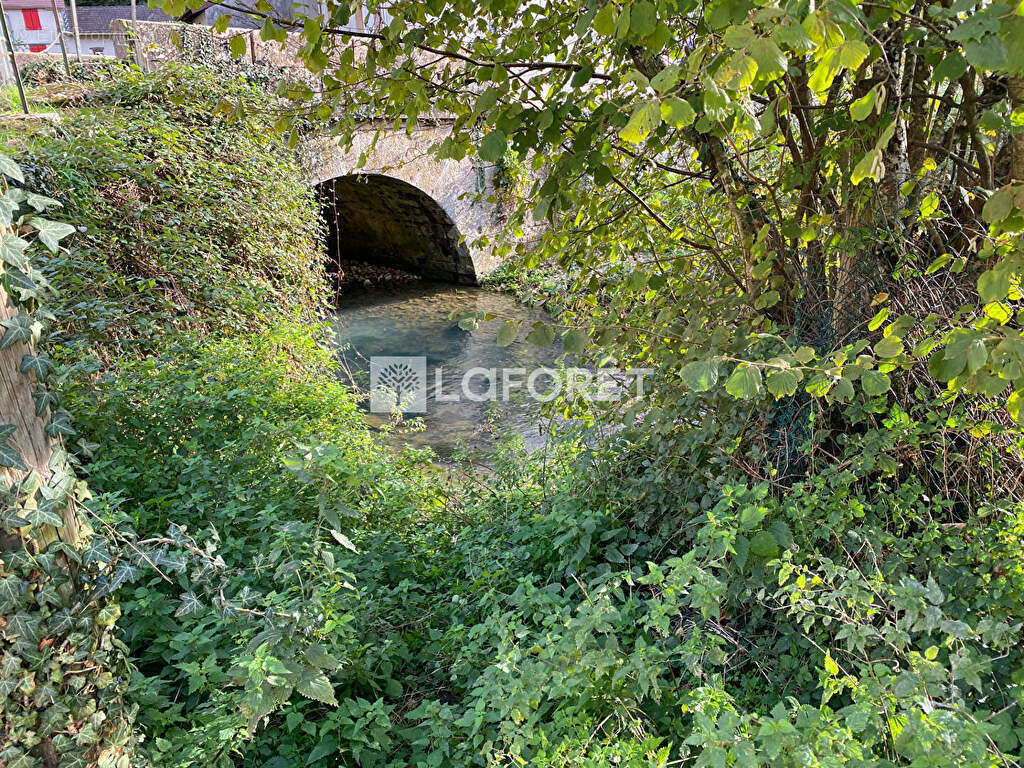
(398, 384)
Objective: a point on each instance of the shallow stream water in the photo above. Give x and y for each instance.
(413, 321)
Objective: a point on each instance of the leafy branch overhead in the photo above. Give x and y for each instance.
(753, 148)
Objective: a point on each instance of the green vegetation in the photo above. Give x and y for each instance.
(803, 546)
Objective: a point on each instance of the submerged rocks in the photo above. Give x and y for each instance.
(358, 273)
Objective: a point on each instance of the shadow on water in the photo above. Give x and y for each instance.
(413, 321)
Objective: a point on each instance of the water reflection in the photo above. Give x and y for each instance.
(412, 320)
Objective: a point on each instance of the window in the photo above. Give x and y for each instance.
(31, 17)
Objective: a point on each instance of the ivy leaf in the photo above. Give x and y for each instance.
(43, 515)
(190, 604)
(645, 118)
(745, 382)
(51, 232)
(60, 424)
(21, 282)
(12, 251)
(18, 329)
(45, 398)
(40, 365)
(41, 202)
(700, 375)
(10, 168)
(9, 456)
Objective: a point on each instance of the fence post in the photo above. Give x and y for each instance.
(14, 59)
(78, 38)
(60, 36)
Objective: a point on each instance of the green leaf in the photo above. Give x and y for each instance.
(677, 112)
(508, 333)
(40, 365)
(604, 21)
(10, 168)
(764, 545)
(782, 383)
(830, 666)
(645, 118)
(541, 335)
(738, 37)
(863, 106)
(700, 375)
(643, 19)
(238, 45)
(952, 67)
(575, 341)
(875, 383)
(313, 684)
(999, 205)
(51, 232)
(18, 329)
(344, 540)
(771, 61)
(869, 167)
(880, 317)
(889, 347)
(319, 657)
(493, 147)
(993, 285)
(852, 53)
(745, 382)
(9, 456)
(12, 251)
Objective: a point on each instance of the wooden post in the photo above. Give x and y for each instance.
(74, 25)
(60, 36)
(14, 59)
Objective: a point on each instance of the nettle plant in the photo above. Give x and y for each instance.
(777, 198)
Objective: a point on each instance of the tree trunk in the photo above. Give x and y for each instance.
(1016, 91)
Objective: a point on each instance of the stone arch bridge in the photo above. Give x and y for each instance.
(404, 208)
(401, 208)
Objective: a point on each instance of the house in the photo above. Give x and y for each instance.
(96, 27)
(32, 24)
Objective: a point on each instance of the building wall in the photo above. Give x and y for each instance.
(24, 38)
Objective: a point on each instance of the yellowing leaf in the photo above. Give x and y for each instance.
(645, 118)
(677, 112)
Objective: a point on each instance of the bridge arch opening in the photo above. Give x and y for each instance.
(388, 222)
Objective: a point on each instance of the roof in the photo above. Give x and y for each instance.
(17, 5)
(98, 18)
